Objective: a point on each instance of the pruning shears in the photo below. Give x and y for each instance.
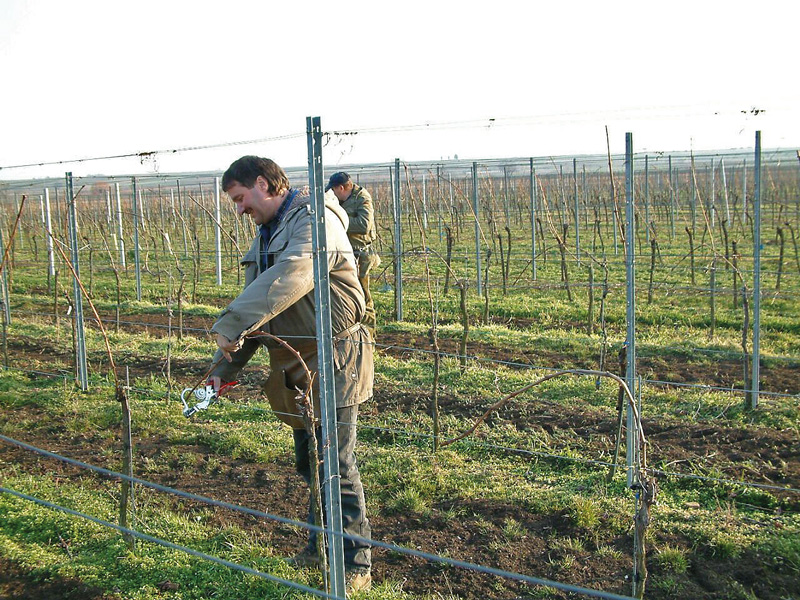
(205, 396)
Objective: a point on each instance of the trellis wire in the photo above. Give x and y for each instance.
(170, 545)
(510, 363)
(471, 442)
(286, 521)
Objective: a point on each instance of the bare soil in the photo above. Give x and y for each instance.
(704, 370)
(18, 583)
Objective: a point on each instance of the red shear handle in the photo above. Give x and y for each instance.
(219, 387)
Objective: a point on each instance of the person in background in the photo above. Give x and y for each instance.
(278, 298)
(357, 202)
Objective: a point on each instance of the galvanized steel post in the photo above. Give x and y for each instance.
(755, 385)
(577, 220)
(218, 231)
(439, 200)
(744, 190)
(137, 265)
(647, 198)
(725, 191)
(109, 216)
(505, 197)
(475, 210)
(48, 225)
(121, 239)
(80, 338)
(398, 243)
(630, 279)
(585, 197)
(424, 204)
(672, 199)
(712, 197)
(694, 196)
(327, 401)
(677, 189)
(4, 285)
(532, 185)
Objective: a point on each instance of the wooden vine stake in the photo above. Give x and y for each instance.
(449, 257)
(562, 248)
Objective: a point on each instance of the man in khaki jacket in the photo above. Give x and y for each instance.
(357, 202)
(278, 298)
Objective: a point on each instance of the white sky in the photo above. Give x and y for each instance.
(84, 78)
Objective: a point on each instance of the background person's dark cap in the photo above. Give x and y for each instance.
(339, 178)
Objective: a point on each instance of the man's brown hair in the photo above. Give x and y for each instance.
(247, 169)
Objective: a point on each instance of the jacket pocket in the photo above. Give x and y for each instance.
(283, 399)
(346, 348)
(367, 259)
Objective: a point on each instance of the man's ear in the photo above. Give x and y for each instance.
(262, 184)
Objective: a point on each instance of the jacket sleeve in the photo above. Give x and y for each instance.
(274, 290)
(227, 371)
(364, 214)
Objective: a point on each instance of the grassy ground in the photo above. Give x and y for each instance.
(528, 492)
(544, 516)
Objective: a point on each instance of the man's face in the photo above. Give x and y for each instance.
(341, 192)
(255, 201)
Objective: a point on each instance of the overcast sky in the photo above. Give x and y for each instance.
(488, 79)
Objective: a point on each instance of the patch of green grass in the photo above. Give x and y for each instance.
(606, 551)
(672, 559)
(409, 500)
(513, 530)
(568, 544)
(586, 513)
(55, 544)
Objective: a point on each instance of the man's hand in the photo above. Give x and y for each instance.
(215, 382)
(228, 346)
(219, 387)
